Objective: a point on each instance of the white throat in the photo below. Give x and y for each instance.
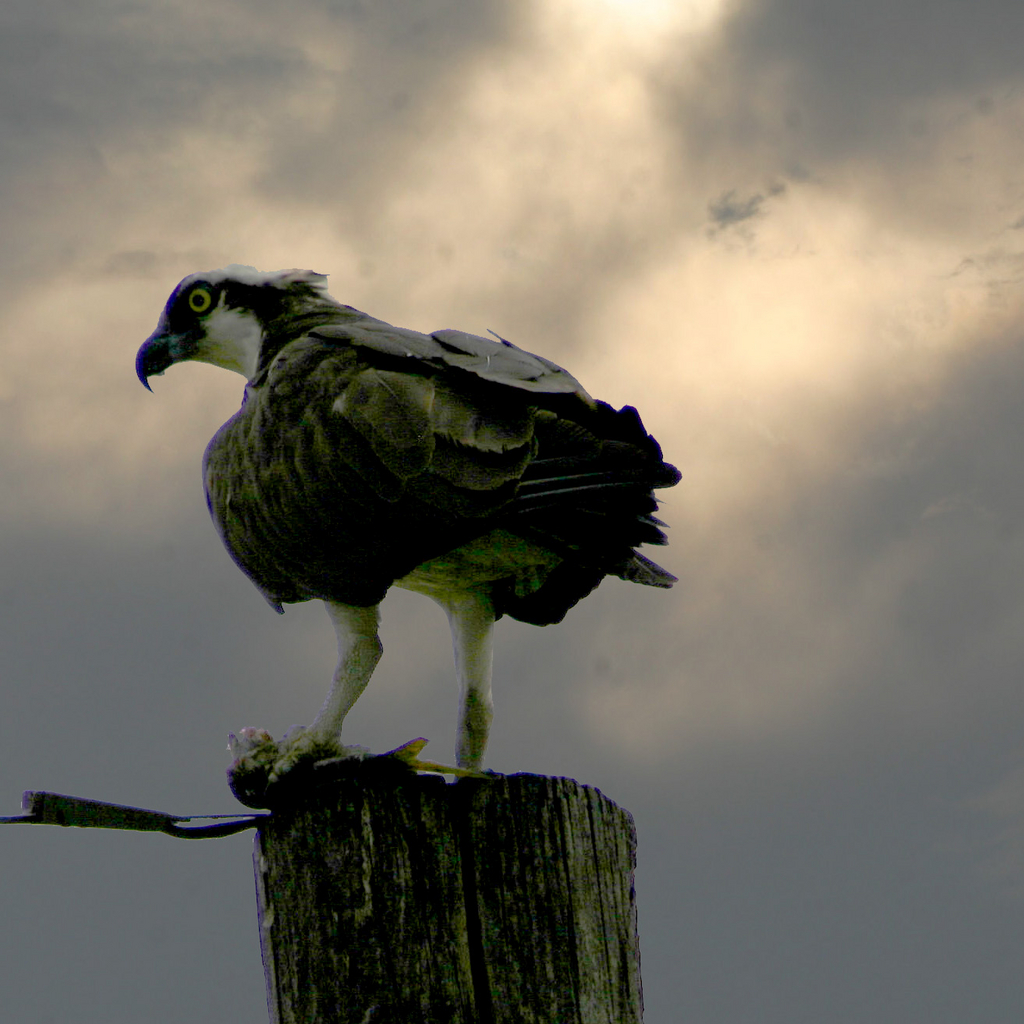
(233, 340)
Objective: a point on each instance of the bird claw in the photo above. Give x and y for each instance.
(408, 753)
(301, 745)
(260, 764)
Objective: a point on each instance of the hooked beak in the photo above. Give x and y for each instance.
(161, 349)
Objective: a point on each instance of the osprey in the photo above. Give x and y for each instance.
(367, 456)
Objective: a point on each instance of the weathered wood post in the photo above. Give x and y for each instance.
(395, 898)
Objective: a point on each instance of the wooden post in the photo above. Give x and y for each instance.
(392, 898)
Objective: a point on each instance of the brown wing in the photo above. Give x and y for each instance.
(497, 361)
(350, 465)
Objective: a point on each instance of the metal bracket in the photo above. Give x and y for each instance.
(78, 812)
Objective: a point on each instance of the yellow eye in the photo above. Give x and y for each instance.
(200, 300)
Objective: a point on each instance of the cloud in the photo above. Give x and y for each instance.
(846, 59)
(788, 232)
(1000, 853)
(729, 209)
(909, 115)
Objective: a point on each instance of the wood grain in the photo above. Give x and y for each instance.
(386, 896)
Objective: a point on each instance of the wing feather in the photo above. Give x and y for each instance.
(363, 451)
(489, 427)
(504, 363)
(498, 362)
(393, 412)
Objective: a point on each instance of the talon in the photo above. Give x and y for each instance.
(408, 753)
(260, 762)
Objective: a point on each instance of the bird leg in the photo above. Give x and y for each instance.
(471, 617)
(359, 650)
(259, 762)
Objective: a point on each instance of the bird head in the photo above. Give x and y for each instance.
(222, 317)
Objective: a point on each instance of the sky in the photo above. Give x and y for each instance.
(791, 232)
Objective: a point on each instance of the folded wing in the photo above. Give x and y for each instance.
(365, 452)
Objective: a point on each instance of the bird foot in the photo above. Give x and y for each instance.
(408, 753)
(260, 764)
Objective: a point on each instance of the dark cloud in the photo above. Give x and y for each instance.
(730, 209)
(145, 79)
(818, 730)
(868, 827)
(885, 802)
(403, 67)
(75, 77)
(77, 80)
(794, 88)
(850, 57)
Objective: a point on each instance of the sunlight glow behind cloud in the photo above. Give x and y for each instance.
(541, 174)
(651, 16)
(790, 233)
(764, 325)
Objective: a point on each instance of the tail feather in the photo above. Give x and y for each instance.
(650, 574)
(588, 496)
